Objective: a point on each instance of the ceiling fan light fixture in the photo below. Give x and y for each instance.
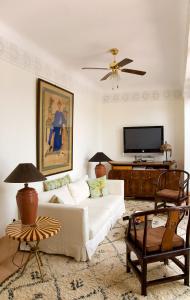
(115, 67)
(115, 79)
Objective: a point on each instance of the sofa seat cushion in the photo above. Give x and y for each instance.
(100, 211)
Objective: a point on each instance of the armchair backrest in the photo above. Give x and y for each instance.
(174, 180)
(171, 226)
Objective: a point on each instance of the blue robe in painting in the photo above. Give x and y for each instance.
(56, 129)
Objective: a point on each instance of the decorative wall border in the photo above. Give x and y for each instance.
(43, 65)
(144, 95)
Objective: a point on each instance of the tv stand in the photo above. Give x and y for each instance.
(139, 177)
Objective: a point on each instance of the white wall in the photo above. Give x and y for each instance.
(187, 109)
(187, 123)
(142, 109)
(18, 131)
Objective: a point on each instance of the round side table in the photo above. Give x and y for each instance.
(44, 228)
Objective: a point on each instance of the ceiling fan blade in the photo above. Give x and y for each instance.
(86, 68)
(124, 62)
(106, 76)
(137, 72)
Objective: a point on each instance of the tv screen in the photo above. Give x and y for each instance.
(144, 139)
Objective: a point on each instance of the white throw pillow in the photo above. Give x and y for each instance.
(44, 197)
(62, 193)
(79, 189)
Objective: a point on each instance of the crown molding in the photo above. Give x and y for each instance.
(41, 64)
(143, 96)
(35, 60)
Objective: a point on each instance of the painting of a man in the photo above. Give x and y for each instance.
(56, 130)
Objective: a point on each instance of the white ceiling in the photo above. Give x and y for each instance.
(152, 33)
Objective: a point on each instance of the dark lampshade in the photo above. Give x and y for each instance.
(99, 157)
(27, 198)
(24, 173)
(100, 169)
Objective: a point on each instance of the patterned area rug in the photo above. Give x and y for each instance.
(103, 277)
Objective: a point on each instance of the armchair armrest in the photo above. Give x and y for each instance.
(116, 187)
(183, 184)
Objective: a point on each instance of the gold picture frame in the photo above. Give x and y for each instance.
(54, 128)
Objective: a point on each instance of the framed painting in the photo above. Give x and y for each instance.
(54, 128)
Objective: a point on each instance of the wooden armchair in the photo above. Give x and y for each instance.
(172, 187)
(158, 244)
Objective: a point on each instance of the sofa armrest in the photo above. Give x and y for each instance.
(116, 187)
(73, 220)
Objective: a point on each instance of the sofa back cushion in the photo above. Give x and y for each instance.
(98, 187)
(56, 183)
(79, 189)
(62, 193)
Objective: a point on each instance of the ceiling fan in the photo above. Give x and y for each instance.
(114, 66)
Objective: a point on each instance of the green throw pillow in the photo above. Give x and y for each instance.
(56, 183)
(98, 187)
(54, 199)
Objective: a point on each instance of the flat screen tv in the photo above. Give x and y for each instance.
(143, 139)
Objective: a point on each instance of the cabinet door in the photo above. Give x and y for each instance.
(149, 184)
(146, 183)
(143, 183)
(136, 180)
(126, 176)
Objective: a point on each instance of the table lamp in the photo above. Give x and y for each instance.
(27, 198)
(100, 169)
(167, 148)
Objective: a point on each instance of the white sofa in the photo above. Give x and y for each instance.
(84, 225)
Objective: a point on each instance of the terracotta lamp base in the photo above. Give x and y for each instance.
(100, 170)
(27, 201)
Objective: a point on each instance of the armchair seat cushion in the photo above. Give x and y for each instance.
(154, 238)
(169, 194)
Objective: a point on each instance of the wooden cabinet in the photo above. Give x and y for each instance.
(138, 183)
